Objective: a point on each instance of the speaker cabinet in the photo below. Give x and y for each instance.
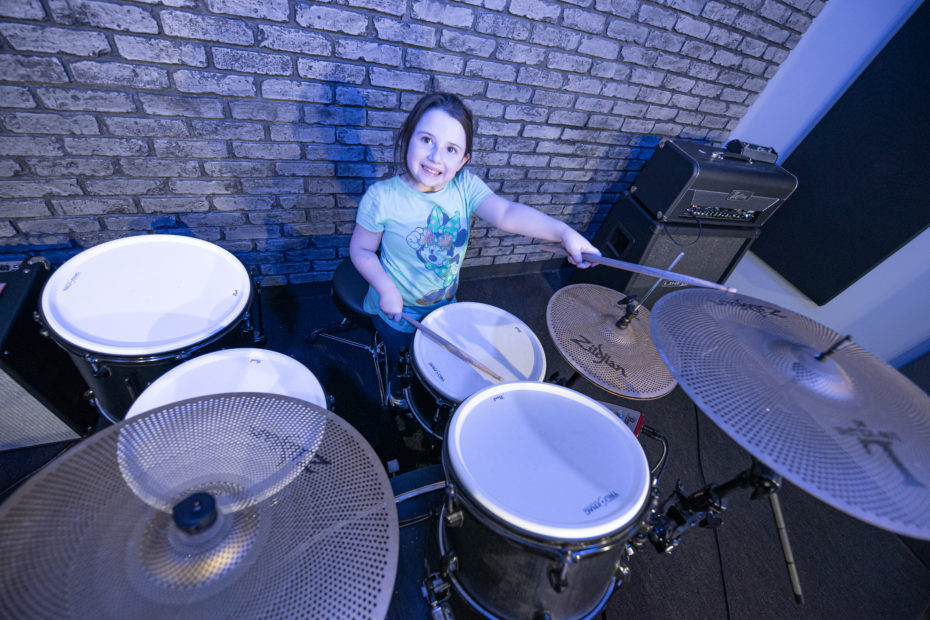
(41, 392)
(631, 234)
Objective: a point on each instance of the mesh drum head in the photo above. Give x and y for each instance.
(306, 525)
(850, 430)
(232, 370)
(548, 461)
(145, 295)
(501, 341)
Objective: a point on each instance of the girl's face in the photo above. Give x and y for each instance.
(436, 151)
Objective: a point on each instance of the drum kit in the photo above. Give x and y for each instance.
(227, 487)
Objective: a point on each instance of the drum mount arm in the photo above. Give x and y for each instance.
(703, 508)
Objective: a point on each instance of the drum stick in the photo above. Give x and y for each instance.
(451, 348)
(648, 271)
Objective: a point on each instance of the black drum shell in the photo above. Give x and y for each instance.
(116, 381)
(507, 572)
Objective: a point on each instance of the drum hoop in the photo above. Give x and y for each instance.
(156, 357)
(78, 344)
(534, 339)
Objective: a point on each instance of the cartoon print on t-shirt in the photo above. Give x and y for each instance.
(436, 246)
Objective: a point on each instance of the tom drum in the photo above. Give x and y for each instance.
(231, 371)
(501, 341)
(129, 310)
(545, 488)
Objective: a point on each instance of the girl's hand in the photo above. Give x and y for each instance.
(576, 245)
(391, 303)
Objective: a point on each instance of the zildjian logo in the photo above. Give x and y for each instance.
(883, 440)
(758, 309)
(597, 353)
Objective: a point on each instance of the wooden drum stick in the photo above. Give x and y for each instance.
(451, 348)
(648, 271)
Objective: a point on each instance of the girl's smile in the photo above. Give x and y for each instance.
(436, 152)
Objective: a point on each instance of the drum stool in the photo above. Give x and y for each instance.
(349, 290)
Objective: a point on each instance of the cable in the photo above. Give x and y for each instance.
(652, 433)
(723, 576)
(684, 245)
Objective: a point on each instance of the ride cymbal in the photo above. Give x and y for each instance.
(582, 320)
(304, 524)
(835, 420)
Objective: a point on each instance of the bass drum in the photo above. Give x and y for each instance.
(129, 310)
(493, 336)
(545, 488)
(232, 371)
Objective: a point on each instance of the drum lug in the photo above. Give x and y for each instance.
(450, 563)
(99, 370)
(453, 514)
(558, 574)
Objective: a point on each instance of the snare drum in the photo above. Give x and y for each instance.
(129, 310)
(545, 488)
(493, 336)
(231, 371)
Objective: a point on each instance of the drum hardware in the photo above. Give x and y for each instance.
(705, 507)
(818, 409)
(255, 328)
(597, 259)
(615, 353)
(83, 538)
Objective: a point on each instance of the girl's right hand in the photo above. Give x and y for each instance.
(392, 304)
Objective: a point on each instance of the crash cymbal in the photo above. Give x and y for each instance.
(123, 525)
(823, 412)
(582, 320)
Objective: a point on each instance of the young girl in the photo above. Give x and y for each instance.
(419, 222)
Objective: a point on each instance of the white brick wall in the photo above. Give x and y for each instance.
(258, 124)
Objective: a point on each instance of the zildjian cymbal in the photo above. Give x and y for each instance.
(230, 505)
(821, 411)
(582, 320)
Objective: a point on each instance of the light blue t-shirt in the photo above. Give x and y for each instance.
(424, 239)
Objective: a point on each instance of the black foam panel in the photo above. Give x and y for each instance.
(863, 174)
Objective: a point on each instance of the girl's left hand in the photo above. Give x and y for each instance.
(576, 245)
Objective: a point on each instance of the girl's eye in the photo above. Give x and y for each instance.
(425, 140)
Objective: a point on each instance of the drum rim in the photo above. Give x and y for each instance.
(461, 305)
(625, 521)
(72, 341)
(208, 358)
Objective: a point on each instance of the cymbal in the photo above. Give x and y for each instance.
(582, 320)
(849, 429)
(305, 521)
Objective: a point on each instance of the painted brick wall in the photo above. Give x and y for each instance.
(258, 124)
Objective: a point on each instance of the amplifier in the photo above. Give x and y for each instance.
(690, 182)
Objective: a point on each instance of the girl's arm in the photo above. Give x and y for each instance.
(515, 217)
(362, 250)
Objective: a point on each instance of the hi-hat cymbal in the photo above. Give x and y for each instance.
(582, 320)
(305, 522)
(848, 428)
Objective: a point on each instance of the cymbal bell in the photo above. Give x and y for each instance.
(582, 320)
(305, 521)
(826, 414)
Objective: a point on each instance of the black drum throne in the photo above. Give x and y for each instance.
(349, 290)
